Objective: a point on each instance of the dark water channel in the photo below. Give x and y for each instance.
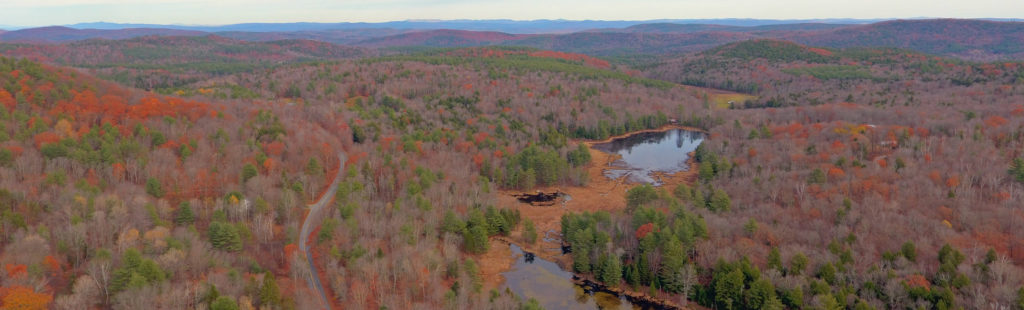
(534, 277)
(645, 153)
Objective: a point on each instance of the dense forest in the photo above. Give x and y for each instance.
(889, 175)
(172, 172)
(161, 63)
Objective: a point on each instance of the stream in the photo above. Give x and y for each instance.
(644, 156)
(534, 277)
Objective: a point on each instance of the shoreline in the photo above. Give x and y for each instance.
(634, 297)
(663, 128)
(600, 193)
(563, 262)
(688, 176)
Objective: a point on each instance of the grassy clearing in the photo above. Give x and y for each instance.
(721, 100)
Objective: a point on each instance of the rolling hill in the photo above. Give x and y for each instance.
(852, 177)
(613, 44)
(966, 39)
(155, 62)
(691, 28)
(442, 38)
(499, 25)
(65, 34)
(975, 39)
(164, 50)
(336, 36)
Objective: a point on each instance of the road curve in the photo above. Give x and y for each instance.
(307, 227)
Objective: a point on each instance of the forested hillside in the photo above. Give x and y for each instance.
(116, 197)
(968, 39)
(971, 39)
(126, 199)
(55, 34)
(175, 172)
(161, 62)
(880, 177)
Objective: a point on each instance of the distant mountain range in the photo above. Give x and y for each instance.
(65, 34)
(498, 25)
(954, 37)
(690, 28)
(443, 38)
(968, 39)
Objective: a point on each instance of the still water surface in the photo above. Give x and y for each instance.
(648, 152)
(534, 277)
(642, 155)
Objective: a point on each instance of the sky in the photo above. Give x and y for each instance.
(221, 12)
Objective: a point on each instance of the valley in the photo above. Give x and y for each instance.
(505, 165)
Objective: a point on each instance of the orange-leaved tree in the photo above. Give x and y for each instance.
(7, 100)
(24, 298)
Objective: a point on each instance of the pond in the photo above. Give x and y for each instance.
(533, 277)
(647, 153)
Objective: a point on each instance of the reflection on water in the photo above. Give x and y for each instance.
(534, 277)
(648, 152)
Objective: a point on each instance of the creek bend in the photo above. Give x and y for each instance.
(661, 157)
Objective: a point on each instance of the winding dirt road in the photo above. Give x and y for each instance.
(315, 211)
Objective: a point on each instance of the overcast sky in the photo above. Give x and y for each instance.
(219, 12)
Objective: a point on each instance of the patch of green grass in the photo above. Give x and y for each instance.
(722, 100)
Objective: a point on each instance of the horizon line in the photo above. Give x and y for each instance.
(822, 19)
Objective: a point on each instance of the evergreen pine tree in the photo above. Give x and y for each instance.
(225, 237)
(798, 264)
(1017, 169)
(720, 201)
(475, 239)
(270, 295)
(759, 294)
(728, 289)
(185, 215)
(529, 232)
(248, 172)
(154, 188)
(224, 303)
(611, 273)
(775, 259)
(313, 167)
(452, 224)
(673, 259)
